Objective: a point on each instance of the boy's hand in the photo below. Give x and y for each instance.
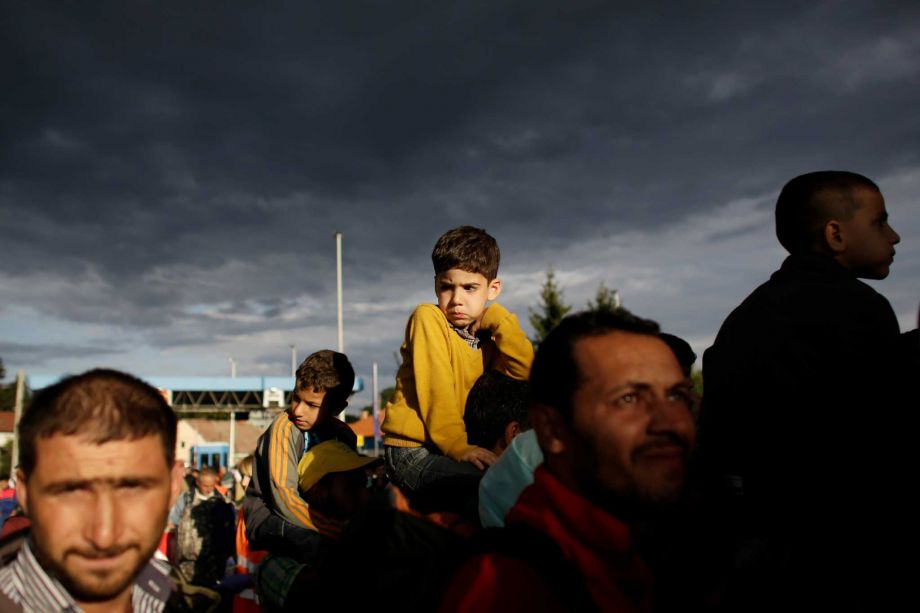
(476, 325)
(479, 457)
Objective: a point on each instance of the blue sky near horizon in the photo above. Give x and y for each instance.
(171, 174)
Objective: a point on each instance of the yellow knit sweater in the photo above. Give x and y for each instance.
(438, 370)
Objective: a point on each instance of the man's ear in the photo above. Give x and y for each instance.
(835, 237)
(176, 477)
(512, 429)
(495, 288)
(552, 431)
(22, 490)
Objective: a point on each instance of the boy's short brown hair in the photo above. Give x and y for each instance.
(469, 249)
(327, 371)
(809, 201)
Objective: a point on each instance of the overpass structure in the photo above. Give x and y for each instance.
(214, 394)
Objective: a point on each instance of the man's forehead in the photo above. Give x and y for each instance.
(626, 356)
(79, 456)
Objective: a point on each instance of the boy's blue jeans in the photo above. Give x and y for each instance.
(414, 468)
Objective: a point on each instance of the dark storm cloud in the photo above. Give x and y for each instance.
(40, 354)
(157, 147)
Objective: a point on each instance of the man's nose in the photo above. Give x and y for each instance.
(104, 526)
(673, 417)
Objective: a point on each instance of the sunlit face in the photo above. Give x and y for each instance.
(462, 296)
(306, 408)
(206, 484)
(870, 240)
(98, 511)
(632, 427)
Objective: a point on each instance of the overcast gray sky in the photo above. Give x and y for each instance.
(172, 173)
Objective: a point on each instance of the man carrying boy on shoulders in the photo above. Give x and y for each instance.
(447, 348)
(277, 518)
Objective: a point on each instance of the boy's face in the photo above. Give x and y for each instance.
(307, 408)
(462, 295)
(870, 241)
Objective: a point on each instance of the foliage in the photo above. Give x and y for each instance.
(6, 454)
(697, 377)
(605, 300)
(8, 392)
(386, 394)
(551, 310)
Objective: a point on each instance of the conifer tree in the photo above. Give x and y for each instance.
(605, 300)
(550, 311)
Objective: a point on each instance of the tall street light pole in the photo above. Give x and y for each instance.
(293, 361)
(338, 287)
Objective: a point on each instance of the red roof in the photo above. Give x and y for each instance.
(365, 425)
(6, 421)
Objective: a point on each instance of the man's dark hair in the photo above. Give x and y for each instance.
(327, 371)
(809, 201)
(467, 248)
(554, 376)
(682, 351)
(494, 402)
(101, 405)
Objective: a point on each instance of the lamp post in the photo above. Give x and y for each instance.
(293, 360)
(338, 287)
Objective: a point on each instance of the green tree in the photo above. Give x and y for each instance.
(550, 311)
(7, 392)
(697, 377)
(6, 457)
(605, 300)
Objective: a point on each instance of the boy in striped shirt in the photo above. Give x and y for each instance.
(277, 518)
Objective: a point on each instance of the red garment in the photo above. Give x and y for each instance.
(597, 544)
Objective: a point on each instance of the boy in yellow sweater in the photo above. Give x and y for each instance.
(447, 347)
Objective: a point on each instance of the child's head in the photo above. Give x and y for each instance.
(324, 381)
(841, 214)
(465, 273)
(497, 410)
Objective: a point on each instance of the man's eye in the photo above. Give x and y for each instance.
(629, 398)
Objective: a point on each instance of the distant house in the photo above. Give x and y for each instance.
(206, 442)
(364, 428)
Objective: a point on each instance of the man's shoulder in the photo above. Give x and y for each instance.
(512, 569)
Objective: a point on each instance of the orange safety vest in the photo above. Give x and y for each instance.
(247, 560)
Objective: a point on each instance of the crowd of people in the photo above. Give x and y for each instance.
(585, 476)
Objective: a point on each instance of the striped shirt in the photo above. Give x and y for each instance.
(275, 478)
(27, 584)
(471, 339)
